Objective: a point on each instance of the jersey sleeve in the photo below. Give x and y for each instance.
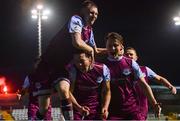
(150, 73)
(26, 83)
(75, 24)
(137, 71)
(106, 73)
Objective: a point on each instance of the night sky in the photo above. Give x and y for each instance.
(146, 25)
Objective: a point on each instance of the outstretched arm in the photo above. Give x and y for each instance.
(147, 89)
(166, 83)
(100, 50)
(161, 80)
(103, 51)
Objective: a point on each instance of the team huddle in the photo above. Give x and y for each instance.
(114, 89)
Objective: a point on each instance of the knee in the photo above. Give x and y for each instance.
(63, 89)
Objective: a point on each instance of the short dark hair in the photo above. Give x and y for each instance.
(114, 36)
(131, 48)
(86, 3)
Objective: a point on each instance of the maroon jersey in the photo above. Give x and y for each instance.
(123, 105)
(142, 98)
(59, 53)
(87, 88)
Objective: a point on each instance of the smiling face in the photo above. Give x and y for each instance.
(131, 53)
(82, 62)
(90, 14)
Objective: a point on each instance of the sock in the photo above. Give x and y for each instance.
(46, 116)
(39, 116)
(67, 110)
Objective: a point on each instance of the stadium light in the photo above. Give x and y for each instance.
(177, 20)
(40, 15)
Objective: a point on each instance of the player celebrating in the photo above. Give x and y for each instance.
(123, 105)
(149, 75)
(90, 86)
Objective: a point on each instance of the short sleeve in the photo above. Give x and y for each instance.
(150, 73)
(75, 24)
(26, 82)
(137, 70)
(106, 73)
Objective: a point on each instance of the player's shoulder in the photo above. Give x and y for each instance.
(76, 18)
(98, 65)
(143, 67)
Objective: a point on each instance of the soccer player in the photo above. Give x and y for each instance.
(149, 75)
(90, 87)
(50, 72)
(124, 105)
(33, 106)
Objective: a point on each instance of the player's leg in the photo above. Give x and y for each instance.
(63, 87)
(48, 113)
(44, 103)
(32, 110)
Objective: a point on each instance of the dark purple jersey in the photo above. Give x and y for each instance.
(58, 54)
(33, 106)
(123, 103)
(142, 98)
(87, 88)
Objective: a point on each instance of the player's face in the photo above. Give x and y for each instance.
(115, 48)
(90, 15)
(131, 54)
(82, 62)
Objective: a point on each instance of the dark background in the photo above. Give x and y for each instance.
(146, 25)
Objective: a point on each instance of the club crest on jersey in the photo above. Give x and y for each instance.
(99, 79)
(126, 71)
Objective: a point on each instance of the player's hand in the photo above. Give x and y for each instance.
(173, 90)
(18, 94)
(92, 55)
(157, 109)
(104, 113)
(84, 110)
